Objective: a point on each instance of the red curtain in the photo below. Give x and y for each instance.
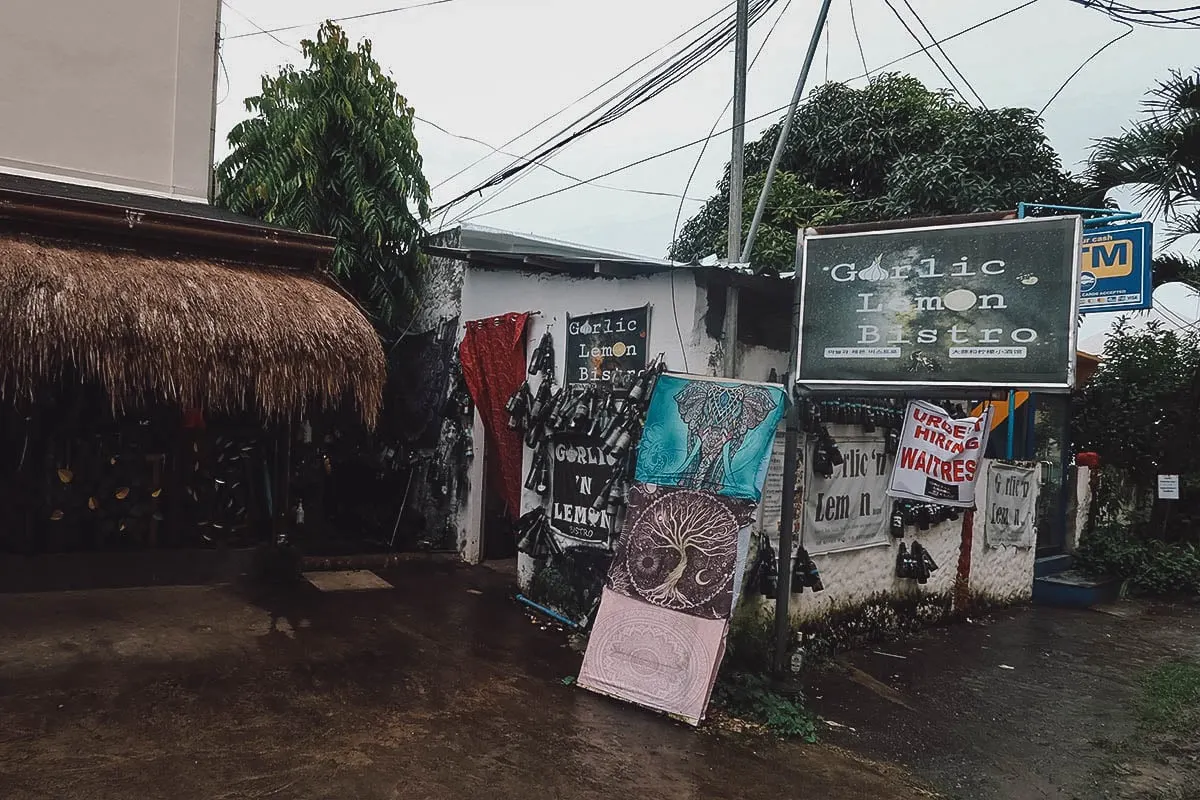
(493, 364)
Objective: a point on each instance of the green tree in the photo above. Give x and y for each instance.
(330, 149)
(1137, 414)
(1159, 157)
(890, 150)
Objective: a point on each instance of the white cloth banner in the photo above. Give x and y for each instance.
(939, 457)
(849, 509)
(1011, 504)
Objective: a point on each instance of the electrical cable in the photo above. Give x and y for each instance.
(260, 30)
(713, 131)
(1086, 61)
(764, 115)
(595, 89)
(945, 55)
(862, 53)
(270, 32)
(925, 50)
(676, 68)
(1154, 18)
(568, 176)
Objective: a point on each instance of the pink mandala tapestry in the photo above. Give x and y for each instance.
(679, 549)
(653, 656)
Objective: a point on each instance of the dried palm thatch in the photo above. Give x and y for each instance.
(194, 332)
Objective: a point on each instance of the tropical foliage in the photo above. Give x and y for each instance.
(892, 149)
(1159, 157)
(330, 149)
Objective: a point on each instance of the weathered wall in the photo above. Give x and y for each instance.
(1001, 575)
(487, 293)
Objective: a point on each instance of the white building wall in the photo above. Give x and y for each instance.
(488, 293)
(1001, 575)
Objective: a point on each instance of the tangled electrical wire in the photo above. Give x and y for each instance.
(1179, 18)
(701, 49)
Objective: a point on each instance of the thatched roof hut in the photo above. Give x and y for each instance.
(155, 301)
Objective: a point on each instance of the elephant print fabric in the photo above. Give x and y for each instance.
(680, 549)
(708, 435)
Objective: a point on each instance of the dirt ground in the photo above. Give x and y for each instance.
(438, 688)
(1028, 703)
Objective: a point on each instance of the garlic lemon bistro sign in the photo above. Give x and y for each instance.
(989, 304)
(607, 348)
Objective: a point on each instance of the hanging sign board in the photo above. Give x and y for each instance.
(770, 508)
(1115, 268)
(939, 457)
(982, 305)
(608, 348)
(1168, 487)
(579, 474)
(848, 510)
(1011, 501)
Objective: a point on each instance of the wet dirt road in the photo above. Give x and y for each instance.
(439, 688)
(1029, 703)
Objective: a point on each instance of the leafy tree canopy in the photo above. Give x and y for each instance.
(890, 150)
(330, 149)
(1159, 157)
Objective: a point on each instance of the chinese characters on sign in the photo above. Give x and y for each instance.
(607, 348)
(987, 304)
(938, 460)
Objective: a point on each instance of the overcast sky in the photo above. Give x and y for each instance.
(489, 69)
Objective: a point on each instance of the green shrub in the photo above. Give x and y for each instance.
(754, 697)
(1149, 566)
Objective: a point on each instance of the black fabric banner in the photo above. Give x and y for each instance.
(580, 474)
(608, 348)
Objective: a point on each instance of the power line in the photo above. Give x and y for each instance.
(925, 50)
(271, 31)
(562, 110)
(862, 53)
(495, 149)
(764, 115)
(1086, 61)
(713, 131)
(945, 55)
(261, 30)
(673, 70)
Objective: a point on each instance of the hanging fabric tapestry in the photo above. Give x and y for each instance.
(710, 435)
(679, 549)
(493, 364)
(653, 656)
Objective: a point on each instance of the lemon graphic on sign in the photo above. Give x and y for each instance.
(618, 349)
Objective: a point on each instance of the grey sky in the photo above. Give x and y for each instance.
(488, 69)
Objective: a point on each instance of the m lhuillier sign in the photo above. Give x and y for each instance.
(938, 460)
(989, 304)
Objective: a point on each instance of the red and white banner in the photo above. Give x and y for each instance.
(939, 457)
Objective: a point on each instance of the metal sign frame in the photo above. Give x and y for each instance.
(941, 388)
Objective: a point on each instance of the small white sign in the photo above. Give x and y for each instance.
(1168, 487)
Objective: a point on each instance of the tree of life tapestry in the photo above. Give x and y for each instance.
(710, 435)
(679, 549)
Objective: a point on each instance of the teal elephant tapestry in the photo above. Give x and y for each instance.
(710, 435)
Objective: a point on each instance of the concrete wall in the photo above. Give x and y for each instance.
(487, 293)
(117, 93)
(1000, 576)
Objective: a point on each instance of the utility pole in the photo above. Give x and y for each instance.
(786, 129)
(736, 181)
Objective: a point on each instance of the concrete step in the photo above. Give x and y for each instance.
(1072, 589)
(1051, 565)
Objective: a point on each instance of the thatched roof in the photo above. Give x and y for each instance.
(200, 333)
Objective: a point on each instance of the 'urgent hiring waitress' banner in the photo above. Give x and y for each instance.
(938, 460)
